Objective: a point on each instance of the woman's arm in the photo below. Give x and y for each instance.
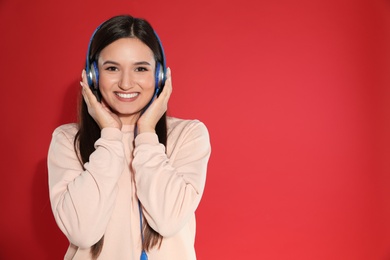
(170, 189)
(82, 200)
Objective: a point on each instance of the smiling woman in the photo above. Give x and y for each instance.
(126, 180)
(127, 77)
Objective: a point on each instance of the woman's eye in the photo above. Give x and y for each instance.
(112, 68)
(141, 69)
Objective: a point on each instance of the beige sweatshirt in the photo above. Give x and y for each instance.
(103, 199)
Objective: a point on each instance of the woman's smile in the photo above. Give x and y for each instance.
(127, 96)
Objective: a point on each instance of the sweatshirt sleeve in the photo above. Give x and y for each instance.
(83, 200)
(170, 189)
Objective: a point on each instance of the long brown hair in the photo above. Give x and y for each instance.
(122, 26)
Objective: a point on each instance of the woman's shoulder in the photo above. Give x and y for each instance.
(178, 125)
(174, 122)
(66, 130)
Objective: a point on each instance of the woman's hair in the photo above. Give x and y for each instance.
(122, 26)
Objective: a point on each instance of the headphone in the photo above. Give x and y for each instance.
(92, 70)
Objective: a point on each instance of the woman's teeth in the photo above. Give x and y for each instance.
(126, 95)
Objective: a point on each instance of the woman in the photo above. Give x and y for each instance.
(126, 166)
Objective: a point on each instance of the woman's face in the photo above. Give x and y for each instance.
(126, 77)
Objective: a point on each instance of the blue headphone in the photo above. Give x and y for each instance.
(92, 70)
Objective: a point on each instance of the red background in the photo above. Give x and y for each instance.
(295, 95)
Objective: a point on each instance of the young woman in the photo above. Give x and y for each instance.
(125, 181)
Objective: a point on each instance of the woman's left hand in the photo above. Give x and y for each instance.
(148, 120)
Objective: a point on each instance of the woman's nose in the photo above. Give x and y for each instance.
(125, 81)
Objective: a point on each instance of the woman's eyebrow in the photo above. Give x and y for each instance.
(110, 62)
(135, 63)
(142, 63)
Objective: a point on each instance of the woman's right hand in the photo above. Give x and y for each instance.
(99, 111)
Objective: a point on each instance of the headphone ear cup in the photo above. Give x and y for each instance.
(89, 75)
(94, 72)
(93, 75)
(159, 76)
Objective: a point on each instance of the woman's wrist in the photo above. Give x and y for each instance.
(145, 129)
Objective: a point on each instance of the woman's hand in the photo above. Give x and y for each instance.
(99, 111)
(148, 120)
